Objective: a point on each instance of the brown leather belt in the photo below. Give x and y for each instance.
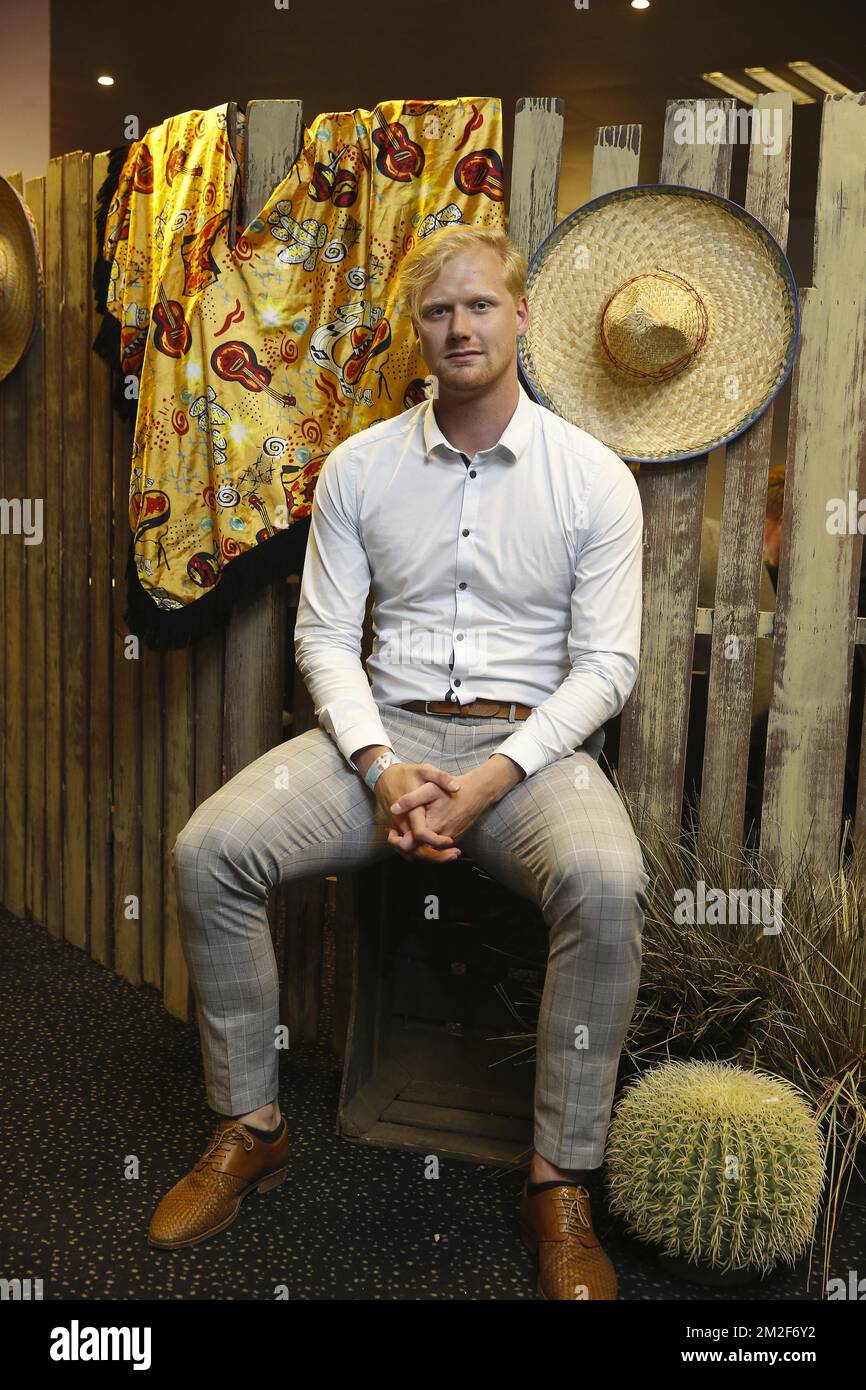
(478, 709)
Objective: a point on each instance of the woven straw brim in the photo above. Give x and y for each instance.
(747, 285)
(19, 278)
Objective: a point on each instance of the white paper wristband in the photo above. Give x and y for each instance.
(378, 765)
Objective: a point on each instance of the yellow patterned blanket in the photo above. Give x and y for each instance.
(255, 360)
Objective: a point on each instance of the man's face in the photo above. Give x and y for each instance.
(468, 324)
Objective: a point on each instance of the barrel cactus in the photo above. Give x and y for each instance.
(717, 1164)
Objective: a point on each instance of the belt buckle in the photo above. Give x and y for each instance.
(438, 712)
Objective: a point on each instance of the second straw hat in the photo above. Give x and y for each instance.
(663, 321)
(20, 278)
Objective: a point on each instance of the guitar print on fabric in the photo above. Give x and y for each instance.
(260, 359)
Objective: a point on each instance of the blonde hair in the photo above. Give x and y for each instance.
(424, 261)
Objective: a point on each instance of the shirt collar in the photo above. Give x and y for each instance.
(510, 444)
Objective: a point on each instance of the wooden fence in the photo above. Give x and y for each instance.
(106, 748)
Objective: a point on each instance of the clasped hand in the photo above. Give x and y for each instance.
(435, 809)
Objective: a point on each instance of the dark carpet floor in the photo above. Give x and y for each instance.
(104, 1110)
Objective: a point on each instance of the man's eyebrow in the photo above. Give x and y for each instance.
(482, 294)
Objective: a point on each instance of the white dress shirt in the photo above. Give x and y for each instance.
(513, 576)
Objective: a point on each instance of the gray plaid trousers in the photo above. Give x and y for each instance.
(560, 838)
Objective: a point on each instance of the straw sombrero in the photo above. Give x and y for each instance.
(663, 320)
(20, 278)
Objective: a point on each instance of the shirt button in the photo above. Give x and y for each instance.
(460, 637)
(462, 584)
(472, 472)
(465, 531)
(458, 681)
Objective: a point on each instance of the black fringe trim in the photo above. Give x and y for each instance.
(107, 341)
(167, 629)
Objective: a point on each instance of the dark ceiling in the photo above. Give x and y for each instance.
(608, 62)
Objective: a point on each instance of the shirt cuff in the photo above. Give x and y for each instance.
(361, 736)
(522, 748)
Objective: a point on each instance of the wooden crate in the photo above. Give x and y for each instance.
(432, 1062)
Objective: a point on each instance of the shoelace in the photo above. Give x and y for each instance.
(229, 1135)
(576, 1223)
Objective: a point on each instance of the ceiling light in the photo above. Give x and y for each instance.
(105, 81)
(781, 84)
(730, 85)
(820, 79)
(640, 4)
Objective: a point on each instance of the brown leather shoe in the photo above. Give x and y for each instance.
(556, 1226)
(209, 1198)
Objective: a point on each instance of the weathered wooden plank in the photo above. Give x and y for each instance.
(6, 436)
(54, 590)
(303, 905)
(741, 539)
(343, 906)
(3, 801)
(130, 894)
(72, 498)
(615, 158)
(454, 1120)
(238, 146)
(467, 1148)
(16, 492)
(816, 603)
(179, 804)
(655, 719)
(535, 164)
(209, 671)
(153, 849)
(101, 633)
(858, 832)
(533, 196)
(765, 626)
(485, 1100)
(208, 679)
(34, 875)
